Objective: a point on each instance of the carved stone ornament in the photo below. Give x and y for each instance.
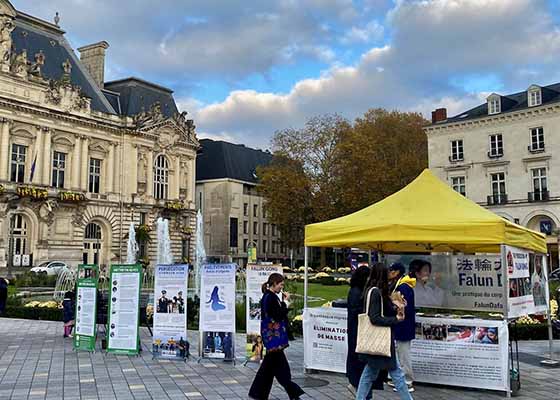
(35, 68)
(166, 140)
(78, 217)
(6, 27)
(187, 125)
(20, 65)
(46, 212)
(67, 96)
(148, 118)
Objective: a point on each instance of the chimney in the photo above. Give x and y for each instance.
(440, 114)
(92, 57)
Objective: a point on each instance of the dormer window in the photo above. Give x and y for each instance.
(494, 104)
(534, 96)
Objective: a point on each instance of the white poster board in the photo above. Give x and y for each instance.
(217, 310)
(520, 290)
(538, 269)
(325, 333)
(85, 311)
(461, 352)
(170, 311)
(256, 275)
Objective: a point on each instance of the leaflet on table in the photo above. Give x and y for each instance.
(170, 311)
(325, 333)
(520, 290)
(124, 308)
(86, 308)
(461, 352)
(217, 310)
(458, 282)
(256, 276)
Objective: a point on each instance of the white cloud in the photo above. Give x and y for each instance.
(373, 31)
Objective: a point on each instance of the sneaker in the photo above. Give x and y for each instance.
(390, 383)
(410, 389)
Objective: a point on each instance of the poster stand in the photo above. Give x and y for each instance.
(85, 336)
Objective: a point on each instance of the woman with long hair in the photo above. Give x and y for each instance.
(274, 322)
(382, 312)
(355, 302)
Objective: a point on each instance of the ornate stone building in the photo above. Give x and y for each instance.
(80, 159)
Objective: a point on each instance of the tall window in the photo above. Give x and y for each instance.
(255, 228)
(245, 227)
(17, 172)
(142, 218)
(535, 98)
(264, 249)
(537, 139)
(19, 234)
(273, 229)
(92, 243)
(265, 228)
(496, 146)
(94, 175)
(457, 150)
(494, 106)
(498, 187)
(233, 233)
(458, 184)
(245, 242)
(246, 209)
(539, 180)
(161, 178)
(255, 210)
(58, 169)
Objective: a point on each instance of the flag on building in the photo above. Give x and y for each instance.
(33, 168)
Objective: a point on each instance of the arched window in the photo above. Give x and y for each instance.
(20, 235)
(92, 243)
(161, 177)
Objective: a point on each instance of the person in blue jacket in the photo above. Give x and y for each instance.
(405, 332)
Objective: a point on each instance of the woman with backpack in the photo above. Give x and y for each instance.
(274, 322)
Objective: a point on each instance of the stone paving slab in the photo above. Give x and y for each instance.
(36, 362)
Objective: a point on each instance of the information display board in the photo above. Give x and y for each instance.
(520, 290)
(124, 309)
(86, 307)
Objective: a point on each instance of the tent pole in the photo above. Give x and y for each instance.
(305, 264)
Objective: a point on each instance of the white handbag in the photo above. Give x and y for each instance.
(373, 340)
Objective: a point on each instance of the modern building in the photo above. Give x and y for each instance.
(234, 213)
(80, 158)
(503, 154)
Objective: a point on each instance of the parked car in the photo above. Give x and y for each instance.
(555, 275)
(49, 268)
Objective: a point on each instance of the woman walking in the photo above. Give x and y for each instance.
(274, 314)
(382, 313)
(68, 307)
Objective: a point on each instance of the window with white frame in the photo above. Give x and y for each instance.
(498, 185)
(539, 180)
(161, 177)
(94, 175)
(58, 169)
(496, 145)
(19, 235)
(494, 105)
(535, 97)
(458, 183)
(457, 150)
(537, 139)
(17, 172)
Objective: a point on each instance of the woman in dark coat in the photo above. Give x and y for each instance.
(68, 307)
(355, 301)
(275, 364)
(378, 284)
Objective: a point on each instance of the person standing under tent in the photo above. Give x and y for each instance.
(274, 321)
(382, 312)
(405, 332)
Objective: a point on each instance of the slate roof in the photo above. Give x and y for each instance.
(218, 160)
(138, 95)
(32, 38)
(510, 103)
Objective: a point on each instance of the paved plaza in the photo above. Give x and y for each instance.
(36, 362)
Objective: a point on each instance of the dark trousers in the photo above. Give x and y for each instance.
(274, 365)
(3, 299)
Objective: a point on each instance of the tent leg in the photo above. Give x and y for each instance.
(306, 276)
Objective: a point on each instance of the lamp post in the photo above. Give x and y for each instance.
(12, 205)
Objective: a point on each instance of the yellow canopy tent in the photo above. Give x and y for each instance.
(425, 216)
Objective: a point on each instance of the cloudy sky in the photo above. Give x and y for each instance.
(243, 69)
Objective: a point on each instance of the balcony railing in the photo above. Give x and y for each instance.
(542, 195)
(495, 199)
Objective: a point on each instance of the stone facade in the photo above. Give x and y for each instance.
(75, 172)
(504, 165)
(231, 206)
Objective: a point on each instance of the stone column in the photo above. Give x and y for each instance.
(47, 157)
(117, 183)
(177, 176)
(132, 167)
(5, 149)
(150, 173)
(110, 169)
(76, 164)
(84, 164)
(38, 149)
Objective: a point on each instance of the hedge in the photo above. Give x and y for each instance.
(37, 313)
